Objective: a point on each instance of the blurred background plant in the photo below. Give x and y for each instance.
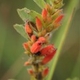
(12, 55)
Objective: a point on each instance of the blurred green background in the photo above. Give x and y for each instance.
(12, 55)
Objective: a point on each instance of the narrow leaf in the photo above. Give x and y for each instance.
(40, 3)
(62, 35)
(20, 29)
(27, 14)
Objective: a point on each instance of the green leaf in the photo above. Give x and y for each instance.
(40, 3)
(27, 14)
(20, 29)
(23, 13)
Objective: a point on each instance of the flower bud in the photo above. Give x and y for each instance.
(44, 14)
(38, 24)
(59, 18)
(28, 29)
(33, 38)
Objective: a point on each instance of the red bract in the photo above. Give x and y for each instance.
(44, 14)
(48, 53)
(36, 47)
(45, 72)
(38, 24)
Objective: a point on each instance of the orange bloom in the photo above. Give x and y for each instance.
(38, 24)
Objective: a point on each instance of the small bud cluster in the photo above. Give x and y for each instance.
(38, 48)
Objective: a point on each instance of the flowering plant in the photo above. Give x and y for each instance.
(37, 30)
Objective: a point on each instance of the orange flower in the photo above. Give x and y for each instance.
(38, 24)
(28, 29)
(45, 72)
(44, 14)
(48, 52)
(36, 47)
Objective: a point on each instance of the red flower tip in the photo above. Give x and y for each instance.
(38, 24)
(27, 63)
(42, 39)
(44, 14)
(30, 71)
(28, 29)
(36, 47)
(59, 18)
(25, 45)
(48, 53)
(45, 72)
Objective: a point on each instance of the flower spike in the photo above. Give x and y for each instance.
(38, 29)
